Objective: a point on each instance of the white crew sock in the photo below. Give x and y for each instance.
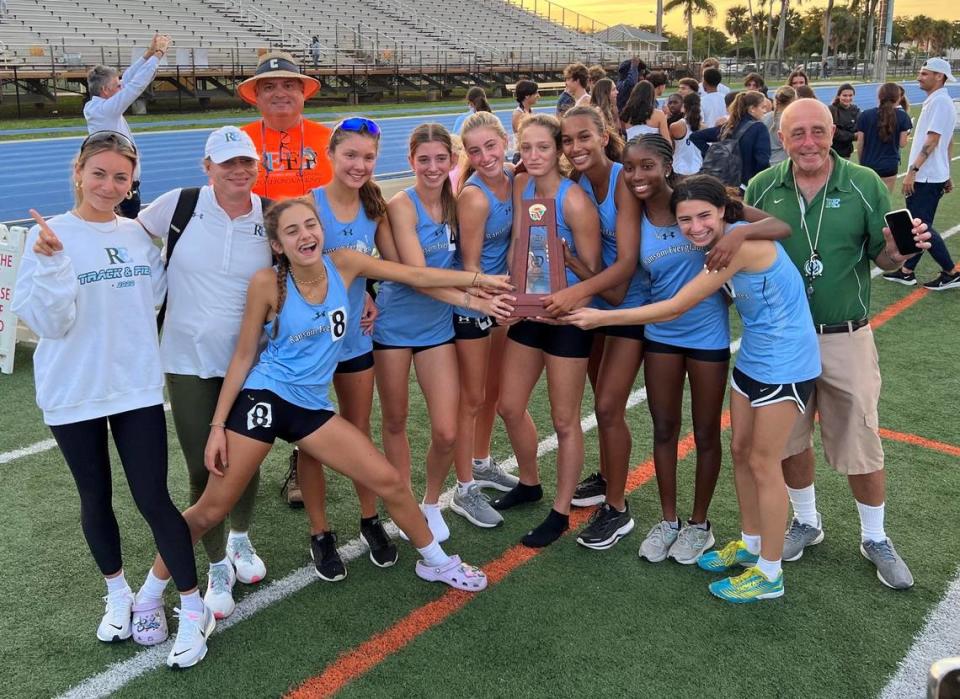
(483, 463)
(752, 543)
(117, 583)
(191, 602)
(152, 589)
(804, 501)
(433, 554)
(871, 522)
(770, 569)
(462, 486)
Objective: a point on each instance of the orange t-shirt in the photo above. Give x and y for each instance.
(291, 162)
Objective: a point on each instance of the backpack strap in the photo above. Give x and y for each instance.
(186, 205)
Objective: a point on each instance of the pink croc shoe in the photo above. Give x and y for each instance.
(149, 624)
(456, 573)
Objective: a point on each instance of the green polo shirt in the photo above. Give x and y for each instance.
(851, 234)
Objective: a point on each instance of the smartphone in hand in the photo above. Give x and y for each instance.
(900, 223)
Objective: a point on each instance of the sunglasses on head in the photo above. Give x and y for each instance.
(359, 125)
(107, 137)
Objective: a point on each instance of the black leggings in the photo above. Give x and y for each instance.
(141, 439)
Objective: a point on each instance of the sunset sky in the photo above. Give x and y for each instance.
(615, 11)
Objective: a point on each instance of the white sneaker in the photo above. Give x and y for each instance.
(219, 597)
(190, 647)
(115, 625)
(250, 567)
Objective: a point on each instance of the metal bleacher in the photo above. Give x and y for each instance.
(228, 32)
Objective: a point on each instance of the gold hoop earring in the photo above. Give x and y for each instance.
(129, 194)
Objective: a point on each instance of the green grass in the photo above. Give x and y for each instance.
(569, 622)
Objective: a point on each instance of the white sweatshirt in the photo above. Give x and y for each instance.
(93, 307)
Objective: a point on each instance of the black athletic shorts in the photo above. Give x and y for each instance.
(354, 364)
(557, 340)
(263, 415)
(760, 394)
(885, 172)
(377, 346)
(631, 332)
(469, 328)
(700, 355)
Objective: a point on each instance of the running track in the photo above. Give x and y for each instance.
(37, 171)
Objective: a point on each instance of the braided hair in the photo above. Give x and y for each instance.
(271, 222)
(659, 146)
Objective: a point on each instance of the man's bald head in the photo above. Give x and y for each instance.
(806, 131)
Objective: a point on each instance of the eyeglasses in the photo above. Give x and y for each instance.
(107, 137)
(359, 125)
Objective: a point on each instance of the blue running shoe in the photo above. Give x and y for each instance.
(751, 586)
(722, 560)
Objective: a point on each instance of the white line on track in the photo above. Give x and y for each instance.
(940, 638)
(117, 675)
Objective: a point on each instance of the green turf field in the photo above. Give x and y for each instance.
(565, 622)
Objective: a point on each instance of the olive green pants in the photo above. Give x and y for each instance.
(193, 401)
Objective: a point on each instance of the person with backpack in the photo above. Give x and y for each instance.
(743, 147)
(215, 243)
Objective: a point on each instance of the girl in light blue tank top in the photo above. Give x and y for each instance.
(415, 328)
(354, 141)
(617, 351)
(304, 306)
(533, 346)
(773, 379)
(485, 227)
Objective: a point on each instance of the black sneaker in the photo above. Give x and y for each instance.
(592, 490)
(901, 277)
(946, 280)
(383, 552)
(326, 559)
(605, 528)
(291, 487)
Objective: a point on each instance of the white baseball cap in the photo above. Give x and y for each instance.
(229, 142)
(939, 65)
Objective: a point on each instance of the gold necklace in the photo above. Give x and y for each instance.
(116, 221)
(309, 282)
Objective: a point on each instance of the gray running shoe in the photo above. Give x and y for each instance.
(493, 476)
(475, 507)
(658, 542)
(691, 543)
(891, 569)
(799, 536)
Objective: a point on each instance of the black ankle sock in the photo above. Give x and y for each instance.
(519, 494)
(366, 521)
(548, 531)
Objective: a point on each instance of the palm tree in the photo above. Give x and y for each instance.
(827, 16)
(690, 8)
(753, 30)
(737, 24)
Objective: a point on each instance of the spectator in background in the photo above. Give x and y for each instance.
(755, 81)
(797, 79)
(575, 93)
(630, 72)
(687, 158)
(746, 111)
(293, 150)
(928, 177)
(659, 81)
(594, 74)
(805, 92)
(673, 108)
(845, 114)
(315, 50)
(711, 98)
(640, 114)
(688, 85)
(111, 96)
(783, 97)
(712, 63)
(476, 102)
(904, 104)
(604, 98)
(526, 92)
(882, 132)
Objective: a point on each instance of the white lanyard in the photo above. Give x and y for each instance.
(813, 267)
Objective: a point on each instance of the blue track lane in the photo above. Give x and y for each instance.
(37, 172)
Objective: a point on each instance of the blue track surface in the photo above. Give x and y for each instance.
(37, 173)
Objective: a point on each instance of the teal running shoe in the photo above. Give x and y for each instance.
(751, 586)
(722, 560)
